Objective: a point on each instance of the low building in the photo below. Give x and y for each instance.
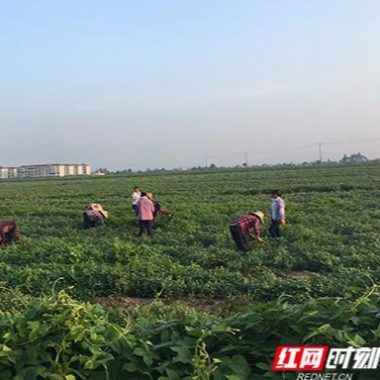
(354, 158)
(98, 172)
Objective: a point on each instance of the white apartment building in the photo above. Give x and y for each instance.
(49, 170)
(8, 172)
(84, 169)
(70, 170)
(80, 170)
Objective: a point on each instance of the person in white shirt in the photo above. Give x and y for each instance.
(277, 214)
(135, 199)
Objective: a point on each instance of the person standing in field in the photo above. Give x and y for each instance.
(135, 198)
(277, 214)
(94, 216)
(9, 232)
(145, 214)
(245, 226)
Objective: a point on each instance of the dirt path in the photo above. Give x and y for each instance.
(203, 305)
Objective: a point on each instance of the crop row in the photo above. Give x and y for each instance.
(56, 338)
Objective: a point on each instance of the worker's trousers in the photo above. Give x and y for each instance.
(146, 225)
(239, 238)
(274, 229)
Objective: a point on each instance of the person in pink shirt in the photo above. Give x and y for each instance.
(145, 214)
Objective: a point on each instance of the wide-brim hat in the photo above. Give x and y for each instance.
(99, 207)
(149, 195)
(260, 215)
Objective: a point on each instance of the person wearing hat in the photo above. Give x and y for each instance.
(94, 216)
(158, 209)
(277, 214)
(244, 226)
(9, 232)
(145, 213)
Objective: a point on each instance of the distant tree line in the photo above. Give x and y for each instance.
(346, 159)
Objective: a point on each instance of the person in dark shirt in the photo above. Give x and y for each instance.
(159, 210)
(9, 232)
(245, 226)
(94, 216)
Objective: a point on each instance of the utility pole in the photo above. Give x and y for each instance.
(206, 161)
(246, 158)
(320, 153)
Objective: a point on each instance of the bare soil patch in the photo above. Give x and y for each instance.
(203, 305)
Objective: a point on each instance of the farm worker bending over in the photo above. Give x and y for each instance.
(158, 208)
(9, 232)
(94, 216)
(145, 214)
(248, 225)
(277, 214)
(135, 198)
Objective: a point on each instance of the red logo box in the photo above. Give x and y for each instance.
(300, 358)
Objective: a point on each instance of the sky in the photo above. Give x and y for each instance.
(137, 84)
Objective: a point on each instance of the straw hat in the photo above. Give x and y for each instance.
(149, 195)
(99, 207)
(260, 215)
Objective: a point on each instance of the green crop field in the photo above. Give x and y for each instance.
(64, 289)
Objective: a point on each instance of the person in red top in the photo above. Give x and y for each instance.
(9, 232)
(145, 213)
(244, 226)
(159, 210)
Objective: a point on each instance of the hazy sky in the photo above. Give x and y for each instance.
(151, 83)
